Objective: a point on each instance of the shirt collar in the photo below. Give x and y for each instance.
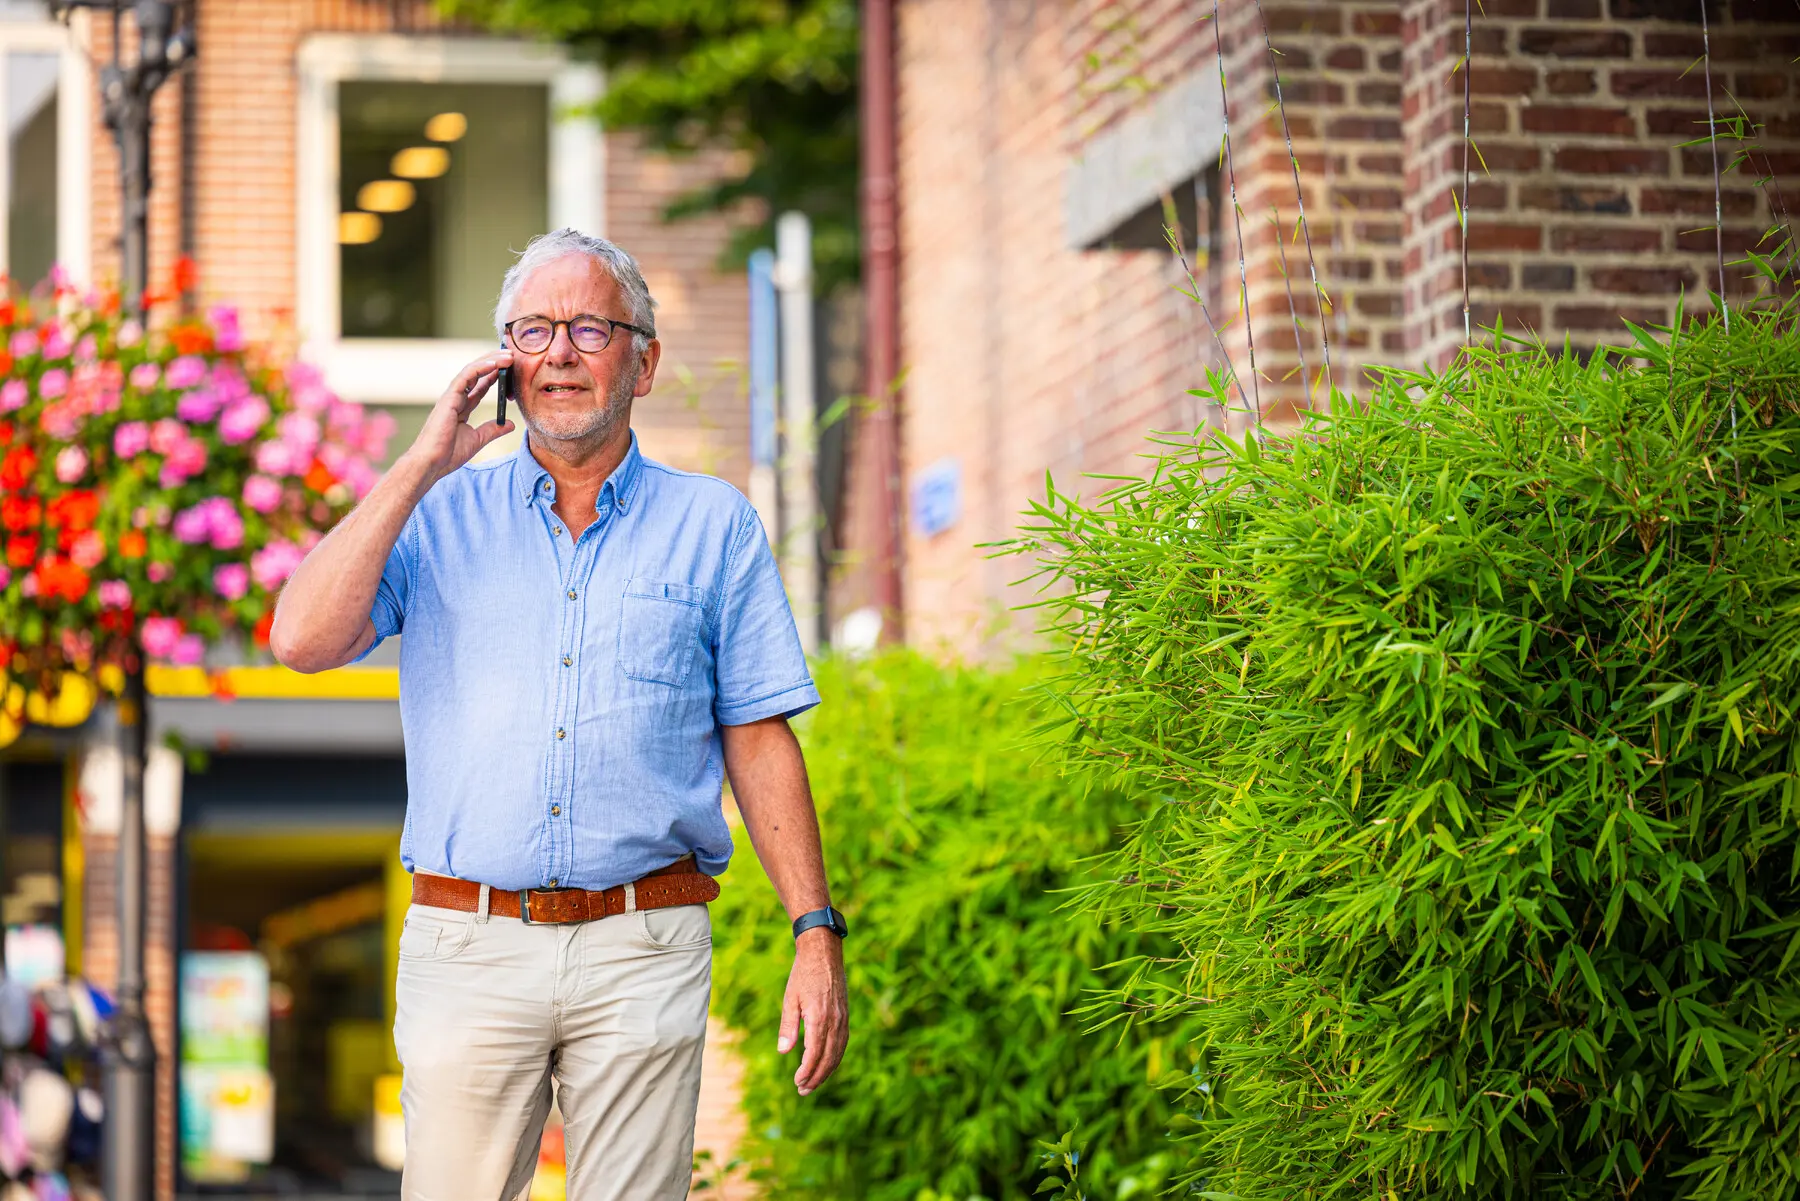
(530, 478)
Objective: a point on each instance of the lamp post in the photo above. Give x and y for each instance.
(128, 1152)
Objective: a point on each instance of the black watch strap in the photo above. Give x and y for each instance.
(828, 917)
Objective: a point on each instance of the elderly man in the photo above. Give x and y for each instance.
(591, 638)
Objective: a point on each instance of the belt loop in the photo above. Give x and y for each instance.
(481, 909)
(630, 896)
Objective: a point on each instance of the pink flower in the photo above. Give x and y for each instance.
(274, 563)
(262, 494)
(61, 419)
(377, 431)
(166, 435)
(28, 587)
(86, 350)
(192, 526)
(53, 383)
(301, 374)
(189, 651)
(144, 376)
(23, 343)
(89, 549)
(114, 594)
(226, 334)
(360, 476)
(242, 420)
(159, 636)
(300, 432)
(56, 343)
(227, 527)
(276, 458)
(185, 372)
(5, 575)
(13, 395)
(183, 463)
(231, 580)
(202, 404)
(159, 573)
(131, 439)
(131, 332)
(71, 464)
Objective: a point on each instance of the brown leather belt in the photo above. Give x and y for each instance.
(680, 883)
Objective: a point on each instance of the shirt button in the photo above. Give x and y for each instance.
(556, 811)
(568, 662)
(557, 530)
(554, 882)
(571, 594)
(546, 485)
(561, 733)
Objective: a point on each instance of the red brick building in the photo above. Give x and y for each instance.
(1040, 321)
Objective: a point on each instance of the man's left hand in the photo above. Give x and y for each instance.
(818, 1001)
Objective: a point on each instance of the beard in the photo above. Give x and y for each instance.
(589, 427)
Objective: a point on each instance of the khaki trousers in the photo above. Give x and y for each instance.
(490, 1009)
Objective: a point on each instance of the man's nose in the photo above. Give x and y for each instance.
(561, 350)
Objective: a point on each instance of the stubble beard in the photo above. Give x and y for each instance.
(589, 430)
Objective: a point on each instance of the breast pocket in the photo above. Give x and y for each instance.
(659, 631)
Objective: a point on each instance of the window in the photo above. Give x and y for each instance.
(437, 185)
(425, 165)
(43, 91)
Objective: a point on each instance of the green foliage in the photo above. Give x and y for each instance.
(947, 842)
(776, 79)
(1472, 715)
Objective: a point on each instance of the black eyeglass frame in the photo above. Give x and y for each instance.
(608, 322)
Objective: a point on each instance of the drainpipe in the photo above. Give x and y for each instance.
(880, 431)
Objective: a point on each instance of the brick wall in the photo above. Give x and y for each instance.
(1589, 209)
(1022, 355)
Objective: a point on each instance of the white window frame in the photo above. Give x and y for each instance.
(416, 370)
(74, 149)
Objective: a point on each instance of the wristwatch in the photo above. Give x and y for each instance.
(828, 917)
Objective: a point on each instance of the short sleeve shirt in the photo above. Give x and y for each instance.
(562, 697)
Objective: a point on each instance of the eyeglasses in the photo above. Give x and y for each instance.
(589, 333)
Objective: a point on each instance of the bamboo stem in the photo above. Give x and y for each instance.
(1237, 223)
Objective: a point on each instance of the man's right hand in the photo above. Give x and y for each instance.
(448, 440)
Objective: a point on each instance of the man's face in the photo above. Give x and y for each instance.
(568, 395)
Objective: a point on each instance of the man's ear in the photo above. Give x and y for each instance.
(648, 358)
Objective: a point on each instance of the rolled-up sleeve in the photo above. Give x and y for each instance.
(761, 670)
(388, 613)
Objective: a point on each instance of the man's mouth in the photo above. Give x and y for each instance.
(559, 389)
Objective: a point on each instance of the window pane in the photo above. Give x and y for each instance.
(439, 186)
(31, 135)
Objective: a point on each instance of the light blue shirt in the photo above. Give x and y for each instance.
(562, 697)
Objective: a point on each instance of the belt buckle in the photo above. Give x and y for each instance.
(525, 899)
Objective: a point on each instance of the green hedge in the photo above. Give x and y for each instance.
(946, 844)
(1474, 708)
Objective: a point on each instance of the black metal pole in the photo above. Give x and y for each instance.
(128, 1151)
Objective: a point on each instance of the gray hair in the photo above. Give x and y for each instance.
(547, 248)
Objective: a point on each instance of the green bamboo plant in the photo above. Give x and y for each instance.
(1464, 723)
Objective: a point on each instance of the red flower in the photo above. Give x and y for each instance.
(75, 510)
(132, 544)
(20, 512)
(186, 273)
(60, 577)
(264, 624)
(118, 621)
(8, 310)
(191, 339)
(319, 477)
(17, 467)
(22, 551)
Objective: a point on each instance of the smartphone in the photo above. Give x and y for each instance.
(503, 392)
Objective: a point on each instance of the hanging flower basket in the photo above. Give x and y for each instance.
(156, 489)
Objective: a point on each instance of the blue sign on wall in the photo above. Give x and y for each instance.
(937, 497)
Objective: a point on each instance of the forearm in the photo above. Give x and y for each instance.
(322, 616)
(768, 778)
